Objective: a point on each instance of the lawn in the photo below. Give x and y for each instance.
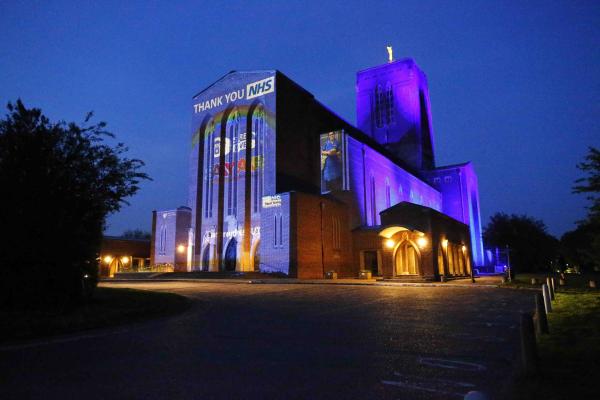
(109, 307)
(570, 354)
(574, 282)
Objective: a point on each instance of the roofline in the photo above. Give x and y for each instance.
(233, 71)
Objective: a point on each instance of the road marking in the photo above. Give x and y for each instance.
(451, 364)
(445, 381)
(60, 340)
(416, 387)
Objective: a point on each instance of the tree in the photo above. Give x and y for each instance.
(60, 181)
(136, 234)
(590, 184)
(531, 248)
(581, 246)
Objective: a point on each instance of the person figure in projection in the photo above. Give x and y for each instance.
(332, 167)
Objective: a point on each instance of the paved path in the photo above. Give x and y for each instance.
(255, 341)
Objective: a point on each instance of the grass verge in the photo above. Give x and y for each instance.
(570, 354)
(109, 307)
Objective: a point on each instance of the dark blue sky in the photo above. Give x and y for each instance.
(514, 86)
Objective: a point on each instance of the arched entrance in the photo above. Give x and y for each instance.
(206, 259)
(256, 257)
(407, 259)
(229, 262)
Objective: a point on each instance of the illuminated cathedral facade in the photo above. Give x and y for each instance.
(278, 183)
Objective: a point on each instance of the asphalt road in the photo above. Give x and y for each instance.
(287, 341)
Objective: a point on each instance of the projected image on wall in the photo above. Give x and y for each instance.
(332, 162)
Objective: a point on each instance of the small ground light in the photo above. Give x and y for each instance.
(390, 243)
(181, 248)
(422, 242)
(107, 259)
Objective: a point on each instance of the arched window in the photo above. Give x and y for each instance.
(162, 247)
(373, 202)
(388, 195)
(256, 165)
(231, 158)
(379, 100)
(209, 163)
(390, 118)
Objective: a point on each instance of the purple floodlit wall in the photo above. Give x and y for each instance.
(460, 200)
(275, 234)
(171, 230)
(393, 107)
(376, 183)
(228, 180)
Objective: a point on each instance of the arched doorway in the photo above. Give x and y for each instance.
(229, 262)
(256, 257)
(407, 259)
(206, 259)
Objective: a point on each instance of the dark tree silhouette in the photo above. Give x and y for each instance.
(531, 247)
(59, 183)
(581, 246)
(136, 234)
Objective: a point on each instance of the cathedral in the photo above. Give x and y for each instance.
(279, 183)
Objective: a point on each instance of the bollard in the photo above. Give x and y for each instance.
(547, 301)
(541, 318)
(528, 345)
(553, 282)
(550, 288)
(592, 283)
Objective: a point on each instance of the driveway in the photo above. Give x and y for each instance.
(286, 341)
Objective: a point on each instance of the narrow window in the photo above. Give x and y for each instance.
(373, 202)
(389, 104)
(280, 230)
(275, 229)
(378, 99)
(388, 200)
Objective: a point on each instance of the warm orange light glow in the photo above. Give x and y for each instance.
(390, 244)
(181, 248)
(445, 243)
(464, 248)
(124, 260)
(108, 259)
(422, 242)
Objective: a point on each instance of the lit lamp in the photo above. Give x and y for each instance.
(464, 248)
(445, 243)
(125, 260)
(181, 249)
(108, 259)
(422, 242)
(390, 243)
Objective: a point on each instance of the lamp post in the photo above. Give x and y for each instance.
(509, 270)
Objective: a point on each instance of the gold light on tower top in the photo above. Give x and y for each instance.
(390, 54)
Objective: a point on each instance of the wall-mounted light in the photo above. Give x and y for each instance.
(422, 242)
(125, 260)
(464, 248)
(445, 243)
(181, 248)
(390, 243)
(108, 259)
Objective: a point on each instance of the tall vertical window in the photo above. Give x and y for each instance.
(162, 247)
(389, 104)
(209, 147)
(256, 165)
(373, 202)
(379, 105)
(336, 233)
(388, 200)
(230, 149)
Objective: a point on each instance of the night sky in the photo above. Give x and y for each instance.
(514, 86)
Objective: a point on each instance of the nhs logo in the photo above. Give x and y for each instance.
(260, 88)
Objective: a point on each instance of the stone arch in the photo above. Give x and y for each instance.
(255, 256)
(407, 258)
(230, 256)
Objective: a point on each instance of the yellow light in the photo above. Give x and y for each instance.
(124, 260)
(108, 259)
(390, 244)
(422, 242)
(445, 243)
(181, 248)
(464, 248)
